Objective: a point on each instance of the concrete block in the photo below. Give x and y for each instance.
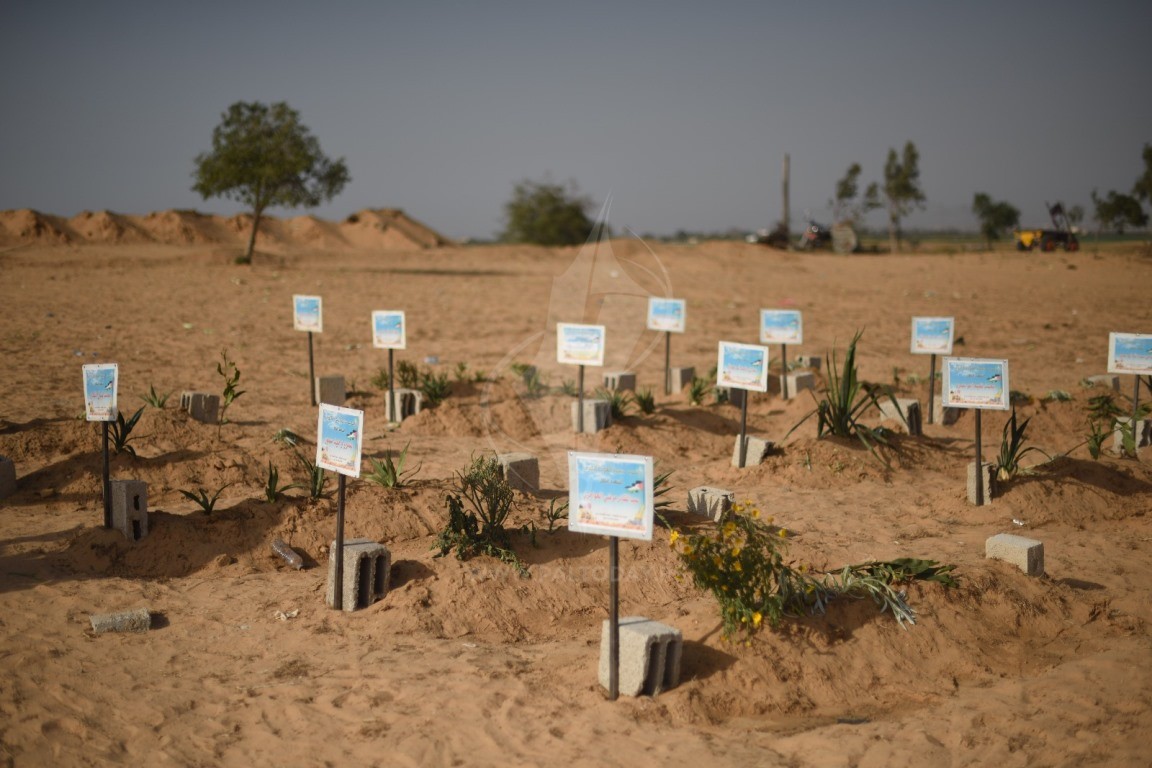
(710, 502)
(810, 361)
(597, 415)
(186, 400)
(942, 415)
(682, 377)
(521, 470)
(650, 655)
(367, 567)
(755, 449)
(620, 380)
(905, 410)
(735, 396)
(1108, 380)
(330, 390)
(797, 381)
(1026, 554)
(7, 477)
(989, 482)
(203, 407)
(138, 620)
(409, 402)
(1143, 433)
(129, 507)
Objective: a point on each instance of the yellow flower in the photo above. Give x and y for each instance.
(756, 619)
(729, 529)
(783, 533)
(737, 567)
(672, 539)
(755, 513)
(735, 551)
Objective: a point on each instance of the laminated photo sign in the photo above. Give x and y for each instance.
(781, 326)
(580, 344)
(389, 329)
(742, 366)
(307, 314)
(1130, 353)
(666, 314)
(339, 437)
(100, 384)
(976, 383)
(610, 494)
(932, 335)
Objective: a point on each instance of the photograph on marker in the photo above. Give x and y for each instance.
(975, 383)
(781, 326)
(306, 314)
(579, 344)
(932, 335)
(340, 437)
(1130, 353)
(742, 366)
(666, 314)
(611, 494)
(100, 384)
(388, 329)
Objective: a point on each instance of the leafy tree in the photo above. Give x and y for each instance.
(1142, 189)
(845, 206)
(901, 189)
(995, 217)
(545, 213)
(1117, 211)
(263, 156)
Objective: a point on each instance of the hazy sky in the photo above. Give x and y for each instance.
(683, 112)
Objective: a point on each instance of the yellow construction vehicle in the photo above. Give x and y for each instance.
(1060, 236)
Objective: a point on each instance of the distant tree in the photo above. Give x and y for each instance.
(1075, 214)
(1142, 189)
(845, 207)
(901, 189)
(545, 213)
(996, 218)
(263, 156)
(1117, 211)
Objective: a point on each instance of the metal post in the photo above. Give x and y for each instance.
(613, 618)
(1135, 413)
(743, 429)
(392, 391)
(311, 372)
(107, 483)
(579, 399)
(338, 587)
(667, 362)
(931, 389)
(784, 371)
(979, 465)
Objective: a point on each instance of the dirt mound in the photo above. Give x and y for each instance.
(28, 226)
(108, 227)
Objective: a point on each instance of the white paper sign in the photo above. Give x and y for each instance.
(307, 314)
(932, 335)
(976, 383)
(742, 366)
(666, 314)
(339, 437)
(579, 344)
(100, 384)
(1130, 353)
(610, 494)
(389, 330)
(781, 326)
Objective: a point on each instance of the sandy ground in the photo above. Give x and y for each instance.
(463, 662)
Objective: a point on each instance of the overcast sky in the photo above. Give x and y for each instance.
(683, 112)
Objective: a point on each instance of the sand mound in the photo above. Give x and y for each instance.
(108, 227)
(28, 226)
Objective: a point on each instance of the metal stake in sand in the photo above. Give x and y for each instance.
(613, 618)
(392, 390)
(743, 429)
(579, 399)
(338, 587)
(311, 372)
(783, 374)
(107, 482)
(931, 387)
(979, 465)
(1136, 415)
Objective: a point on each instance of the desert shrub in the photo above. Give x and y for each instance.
(155, 399)
(407, 375)
(435, 387)
(380, 379)
(698, 390)
(741, 563)
(206, 503)
(619, 402)
(272, 488)
(317, 481)
(1012, 448)
(479, 503)
(120, 432)
(645, 400)
(231, 375)
(1104, 414)
(390, 473)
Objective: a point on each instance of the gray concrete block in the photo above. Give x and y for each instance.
(1026, 554)
(756, 448)
(367, 568)
(330, 390)
(905, 410)
(521, 470)
(1143, 433)
(650, 654)
(711, 502)
(129, 507)
(810, 361)
(620, 380)
(942, 415)
(138, 620)
(409, 402)
(989, 482)
(204, 407)
(798, 381)
(7, 477)
(1107, 380)
(186, 400)
(735, 396)
(597, 415)
(682, 377)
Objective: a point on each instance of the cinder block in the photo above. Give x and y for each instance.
(409, 402)
(906, 410)
(1108, 380)
(1026, 554)
(1143, 433)
(186, 400)
(810, 361)
(735, 396)
(942, 415)
(711, 502)
(330, 390)
(756, 448)
(682, 377)
(7, 477)
(129, 507)
(989, 482)
(798, 381)
(138, 620)
(203, 407)
(597, 415)
(649, 656)
(620, 380)
(367, 567)
(521, 470)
